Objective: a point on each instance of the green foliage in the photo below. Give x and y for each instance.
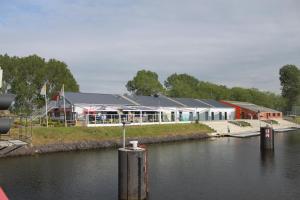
(184, 85)
(240, 123)
(290, 82)
(145, 83)
(296, 119)
(270, 121)
(25, 76)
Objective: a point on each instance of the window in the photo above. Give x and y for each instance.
(225, 115)
(212, 116)
(220, 115)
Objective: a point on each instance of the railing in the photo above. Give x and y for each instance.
(117, 119)
(42, 112)
(145, 118)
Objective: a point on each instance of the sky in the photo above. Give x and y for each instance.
(105, 42)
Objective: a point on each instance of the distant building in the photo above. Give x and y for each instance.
(91, 109)
(245, 110)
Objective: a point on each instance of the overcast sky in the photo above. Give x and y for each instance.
(105, 42)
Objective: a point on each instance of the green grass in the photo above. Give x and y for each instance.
(270, 121)
(296, 119)
(240, 123)
(43, 135)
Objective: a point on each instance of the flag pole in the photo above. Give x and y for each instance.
(63, 89)
(46, 107)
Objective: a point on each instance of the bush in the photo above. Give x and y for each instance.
(240, 123)
(270, 121)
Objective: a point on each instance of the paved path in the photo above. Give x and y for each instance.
(223, 127)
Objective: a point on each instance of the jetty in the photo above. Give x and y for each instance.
(8, 146)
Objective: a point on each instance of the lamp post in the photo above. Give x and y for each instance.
(258, 116)
(124, 134)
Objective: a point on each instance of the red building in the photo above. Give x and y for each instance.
(245, 110)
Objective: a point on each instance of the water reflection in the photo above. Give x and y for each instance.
(267, 158)
(226, 168)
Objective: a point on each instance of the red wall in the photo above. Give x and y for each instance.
(248, 113)
(237, 109)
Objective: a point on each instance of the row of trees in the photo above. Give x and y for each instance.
(25, 76)
(184, 85)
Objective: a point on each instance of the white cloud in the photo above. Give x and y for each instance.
(233, 42)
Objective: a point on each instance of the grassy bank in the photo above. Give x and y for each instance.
(297, 120)
(43, 135)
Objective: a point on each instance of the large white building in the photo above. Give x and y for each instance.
(91, 109)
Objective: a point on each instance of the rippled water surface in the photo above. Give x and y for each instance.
(225, 168)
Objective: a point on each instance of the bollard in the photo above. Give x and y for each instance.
(266, 138)
(132, 173)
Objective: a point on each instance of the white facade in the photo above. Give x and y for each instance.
(142, 113)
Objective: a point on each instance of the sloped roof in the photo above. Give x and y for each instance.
(154, 101)
(93, 98)
(143, 101)
(189, 102)
(215, 103)
(252, 107)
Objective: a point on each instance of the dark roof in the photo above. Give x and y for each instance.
(215, 103)
(251, 106)
(134, 100)
(93, 98)
(154, 101)
(189, 102)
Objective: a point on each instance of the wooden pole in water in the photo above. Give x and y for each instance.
(132, 173)
(267, 138)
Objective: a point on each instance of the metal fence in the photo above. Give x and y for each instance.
(117, 119)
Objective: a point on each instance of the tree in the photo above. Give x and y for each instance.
(145, 83)
(25, 77)
(185, 85)
(290, 82)
(181, 85)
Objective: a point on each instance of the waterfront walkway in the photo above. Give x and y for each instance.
(229, 129)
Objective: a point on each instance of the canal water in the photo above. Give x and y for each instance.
(224, 168)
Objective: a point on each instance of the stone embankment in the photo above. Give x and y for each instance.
(101, 144)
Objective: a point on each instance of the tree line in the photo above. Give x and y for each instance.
(25, 76)
(184, 85)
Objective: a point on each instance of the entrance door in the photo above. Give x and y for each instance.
(191, 116)
(206, 116)
(173, 116)
(180, 116)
